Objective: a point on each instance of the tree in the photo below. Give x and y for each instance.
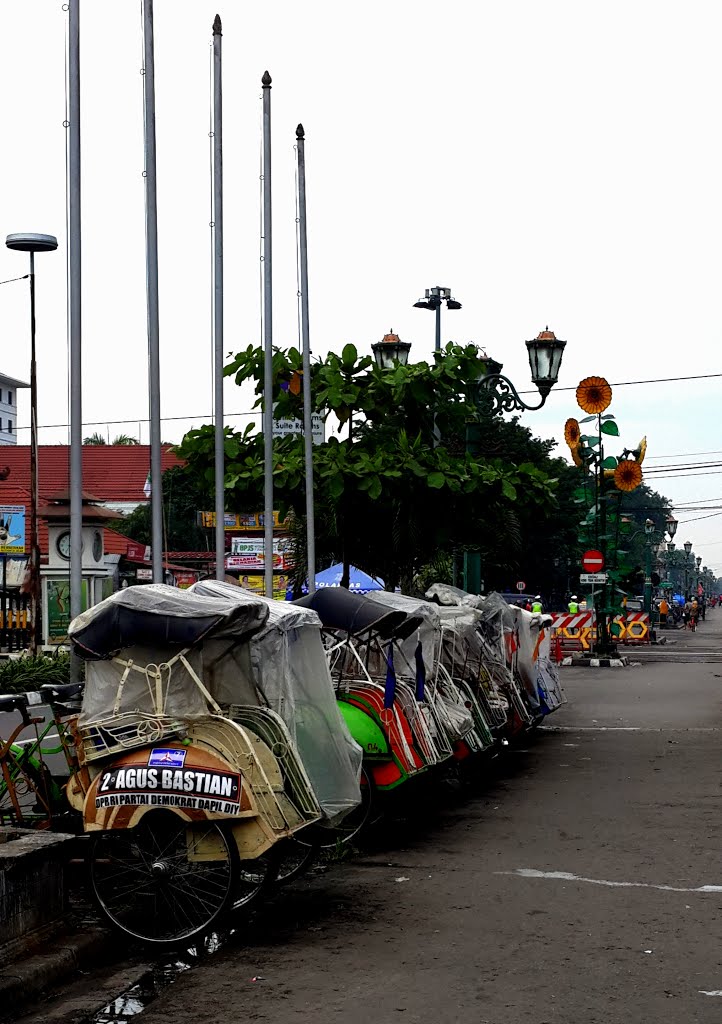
(182, 500)
(402, 487)
(121, 439)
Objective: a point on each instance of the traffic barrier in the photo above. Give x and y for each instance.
(577, 632)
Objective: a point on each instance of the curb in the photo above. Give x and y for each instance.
(621, 662)
(25, 981)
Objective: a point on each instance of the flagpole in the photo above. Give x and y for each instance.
(151, 249)
(267, 342)
(305, 337)
(218, 298)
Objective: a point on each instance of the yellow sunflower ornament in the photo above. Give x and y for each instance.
(594, 395)
(641, 451)
(628, 475)
(572, 432)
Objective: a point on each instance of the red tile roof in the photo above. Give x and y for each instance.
(112, 473)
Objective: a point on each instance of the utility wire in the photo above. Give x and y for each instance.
(11, 279)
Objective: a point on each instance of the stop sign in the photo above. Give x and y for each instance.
(592, 561)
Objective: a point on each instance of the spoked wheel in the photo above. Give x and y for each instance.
(329, 838)
(294, 858)
(165, 881)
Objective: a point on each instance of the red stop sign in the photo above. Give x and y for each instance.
(592, 561)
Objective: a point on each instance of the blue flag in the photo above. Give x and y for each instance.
(420, 672)
(390, 688)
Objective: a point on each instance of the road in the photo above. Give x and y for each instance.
(581, 885)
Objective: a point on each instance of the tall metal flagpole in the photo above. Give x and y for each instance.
(218, 296)
(267, 342)
(74, 314)
(151, 262)
(307, 422)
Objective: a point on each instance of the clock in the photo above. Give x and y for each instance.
(62, 545)
(97, 546)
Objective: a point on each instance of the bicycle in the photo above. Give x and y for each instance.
(29, 794)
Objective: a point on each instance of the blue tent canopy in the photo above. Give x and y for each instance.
(359, 582)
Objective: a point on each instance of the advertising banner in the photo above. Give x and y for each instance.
(58, 604)
(239, 521)
(249, 553)
(257, 585)
(12, 529)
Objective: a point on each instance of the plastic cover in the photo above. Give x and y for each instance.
(427, 630)
(286, 663)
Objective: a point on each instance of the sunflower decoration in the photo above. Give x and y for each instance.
(594, 395)
(576, 457)
(641, 451)
(628, 475)
(572, 432)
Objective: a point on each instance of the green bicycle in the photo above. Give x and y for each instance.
(29, 793)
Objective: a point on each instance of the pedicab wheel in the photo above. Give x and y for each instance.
(294, 858)
(165, 881)
(331, 837)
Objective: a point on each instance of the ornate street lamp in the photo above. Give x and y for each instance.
(390, 350)
(687, 546)
(671, 546)
(545, 360)
(432, 300)
(671, 525)
(649, 531)
(698, 560)
(31, 242)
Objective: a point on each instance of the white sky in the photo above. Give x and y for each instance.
(553, 163)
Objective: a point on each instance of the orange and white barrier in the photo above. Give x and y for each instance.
(578, 631)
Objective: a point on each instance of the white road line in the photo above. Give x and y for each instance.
(627, 728)
(567, 876)
(714, 992)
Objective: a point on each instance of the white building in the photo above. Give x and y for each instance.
(9, 388)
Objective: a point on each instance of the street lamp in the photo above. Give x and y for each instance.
(390, 350)
(433, 297)
(687, 549)
(671, 525)
(649, 531)
(545, 360)
(31, 242)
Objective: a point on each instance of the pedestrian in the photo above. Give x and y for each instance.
(695, 614)
(583, 605)
(663, 613)
(573, 605)
(687, 613)
(536, 605)
(527, 605)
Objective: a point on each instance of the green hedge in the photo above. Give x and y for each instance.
(18, 675)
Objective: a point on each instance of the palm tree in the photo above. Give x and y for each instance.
(125, 439)
(95, 438)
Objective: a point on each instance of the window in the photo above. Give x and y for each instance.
(10, 426)
(10, 398)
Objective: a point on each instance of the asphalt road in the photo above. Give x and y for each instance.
(573, 888)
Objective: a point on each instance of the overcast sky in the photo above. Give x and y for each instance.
(553, 163)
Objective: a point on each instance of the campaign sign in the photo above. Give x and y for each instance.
(197, 789)
(167, 757)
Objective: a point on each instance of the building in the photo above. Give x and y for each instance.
(9, 388)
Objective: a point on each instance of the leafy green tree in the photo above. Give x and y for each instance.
(182, 500)
(402, 486)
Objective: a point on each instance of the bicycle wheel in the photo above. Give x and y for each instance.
(29, 786)
(165, 881)
(293, 859)
(329, 838)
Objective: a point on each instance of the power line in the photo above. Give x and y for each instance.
(11, 279)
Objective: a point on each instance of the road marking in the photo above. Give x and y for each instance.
(567, 876)
(714, 992)
(627, 728)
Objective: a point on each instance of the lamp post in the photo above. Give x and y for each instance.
(687, 549)
(649, 533)
(391, 349)
(433, 299)
(698, 562)
(494, 389)
(32, 243)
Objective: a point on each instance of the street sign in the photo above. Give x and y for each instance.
(666, 586)
(521, 585)
(593, 577)
(592, 561)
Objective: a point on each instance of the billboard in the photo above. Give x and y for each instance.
(239, 521)
(248, 553)
(12, 529)
(256, 584)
